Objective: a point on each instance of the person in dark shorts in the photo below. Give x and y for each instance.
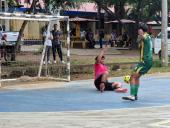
(101, 74)
(90, 38)
(56, 44)
(108, 85)
(145, 44)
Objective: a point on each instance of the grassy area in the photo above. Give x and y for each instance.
(126, 66)
(81, 65)
(125, 56)
(83, 60)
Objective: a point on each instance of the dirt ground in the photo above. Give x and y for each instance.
(79, 56)
(84, 57)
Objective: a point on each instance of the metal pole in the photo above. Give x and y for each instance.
(0, 73)
(68, 50)
(0, 39)
(44, 49)
(0, 5)
(164, 40)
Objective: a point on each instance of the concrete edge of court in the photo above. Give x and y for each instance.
(31, 83)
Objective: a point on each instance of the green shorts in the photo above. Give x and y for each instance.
(143, 67)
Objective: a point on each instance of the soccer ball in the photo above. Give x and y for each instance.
(127, 79)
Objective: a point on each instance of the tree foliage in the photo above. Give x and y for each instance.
(140, 10)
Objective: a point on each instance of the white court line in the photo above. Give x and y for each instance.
(103, 110)
(3, 80)
(161, 124)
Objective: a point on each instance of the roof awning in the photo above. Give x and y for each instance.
(153, 22)
(78, 19)
(122, 21)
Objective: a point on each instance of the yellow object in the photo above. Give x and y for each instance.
(127, 79)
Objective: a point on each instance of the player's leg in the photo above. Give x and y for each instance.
(48, 54)
(59, 51)
(134, 83)
(103, 82)
(99, 82)
(54, 52)
(45, 55)
(115, 86)
(141, 69)
(118, 87)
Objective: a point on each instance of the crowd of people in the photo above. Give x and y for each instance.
(120, 40)
(115, 39)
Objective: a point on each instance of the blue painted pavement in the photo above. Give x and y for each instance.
(82, 95)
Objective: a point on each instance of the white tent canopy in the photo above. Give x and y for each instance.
(31, 17)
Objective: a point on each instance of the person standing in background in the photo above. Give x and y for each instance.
(56, 44)
(90, 38)
(48, 44)
(113, 38)
(101, 36)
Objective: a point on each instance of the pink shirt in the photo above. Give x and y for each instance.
(99, 69)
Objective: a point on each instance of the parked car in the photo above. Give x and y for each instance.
(11, 37)
(157, 43)
(7, 45)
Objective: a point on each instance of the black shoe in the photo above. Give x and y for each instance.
(136, 97)
(131, 98)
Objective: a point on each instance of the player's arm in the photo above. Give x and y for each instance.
(104, 50)
(49, 36)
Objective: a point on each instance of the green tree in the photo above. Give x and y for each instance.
(15, 3)
(54, 3)
(141, 10)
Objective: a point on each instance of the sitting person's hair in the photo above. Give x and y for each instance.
(96, 61)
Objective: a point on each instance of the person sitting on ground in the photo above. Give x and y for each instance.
(101, 74)
(113, 38)
(119, 41)
(124, 36)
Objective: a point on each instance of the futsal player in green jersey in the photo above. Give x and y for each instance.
(145, 63)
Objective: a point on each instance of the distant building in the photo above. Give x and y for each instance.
(86, 10)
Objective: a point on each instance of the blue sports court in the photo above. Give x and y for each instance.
(82, 95)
